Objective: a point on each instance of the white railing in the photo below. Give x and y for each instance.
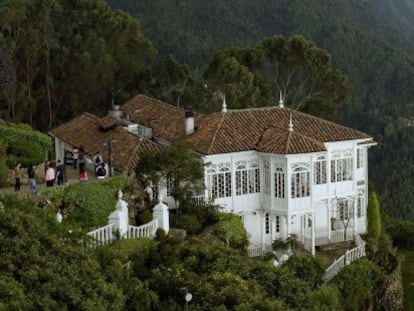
(258, 250)
(145, 231)
(339, 235)
(346, 259)
(102, 236)
(255, 251)
(198, 199)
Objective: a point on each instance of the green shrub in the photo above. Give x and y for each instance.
(145, 217)
(325, 298)
(54, 194)
(356, 283)
(160, 234)
(373, 215)
(89, 204)
(4, 170)
(116, 183)
(206, 212)
(401, 232)
(190, 223)
(231, 232)
(307, 268)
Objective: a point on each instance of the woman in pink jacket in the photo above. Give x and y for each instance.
(50, 175)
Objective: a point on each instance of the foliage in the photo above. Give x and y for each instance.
(306, 268)
(401, 232)
(89, 204)
(53, 60)
(251, 77)
(207, 212)
(291, 242)
(363, 275)
(24, 144)
(34, 256)
(373, 216)
(176, 165)
(188, 222)
(145, 217)
(324, 298)
(230, 231)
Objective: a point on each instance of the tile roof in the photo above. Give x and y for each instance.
(241, 130)
(86, 131)
(283, 141)
(167, 121)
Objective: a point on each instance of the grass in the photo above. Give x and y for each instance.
(408, 278)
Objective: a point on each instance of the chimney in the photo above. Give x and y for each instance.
(189, 121)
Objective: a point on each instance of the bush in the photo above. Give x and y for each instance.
(145, 217)
(356, 283)
(401, 232)
(4, 171)
(206, 212)
(307, 268)
(230, 231)
(373, 215)
(89, 204)
(160, 234)
(190, 223)
(325, 298)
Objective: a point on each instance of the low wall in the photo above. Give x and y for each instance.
(391, 292)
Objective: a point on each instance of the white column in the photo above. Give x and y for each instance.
(161, 213)
(120, 218)
(328, 206)
(313, 233)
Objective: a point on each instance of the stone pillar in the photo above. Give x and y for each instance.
(161, 213)
(120, 218)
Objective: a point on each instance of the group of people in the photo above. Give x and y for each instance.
(58, 174)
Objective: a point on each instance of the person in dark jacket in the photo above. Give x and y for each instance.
(31, 174)
(60, 172)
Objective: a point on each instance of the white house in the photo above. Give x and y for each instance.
(283, 172)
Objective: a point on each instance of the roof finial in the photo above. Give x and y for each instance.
(281, 105)
(224, 104)
(290, 128)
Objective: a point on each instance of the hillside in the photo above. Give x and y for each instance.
(370, 41)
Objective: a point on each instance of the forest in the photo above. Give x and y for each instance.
(61, 58)
(347, 61)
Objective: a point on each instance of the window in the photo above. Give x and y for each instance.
(279, 183)
(344, 210)
(219, 180)
(247, 178)
(267, 223)
(170, 186)
(360, 205)
(341, 166)
(277, 224)
(319, 167)
(266, 178)
(360, 158)
(300, 181)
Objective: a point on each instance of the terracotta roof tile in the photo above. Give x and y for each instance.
(240, 130)
(167, 121)
(282, 141)
(85, 131)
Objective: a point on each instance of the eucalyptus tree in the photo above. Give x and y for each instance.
(293, 67)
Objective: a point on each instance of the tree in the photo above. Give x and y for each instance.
(293, 66)
(177, 166)
(38, 252)
(373, 216)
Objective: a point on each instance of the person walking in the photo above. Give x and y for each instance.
(17, 177)
(31, 174)
(97, 160)
(50, 175)
(60, 172)
(75, 154)
(101, 171)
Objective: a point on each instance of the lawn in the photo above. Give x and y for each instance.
(408, 279)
